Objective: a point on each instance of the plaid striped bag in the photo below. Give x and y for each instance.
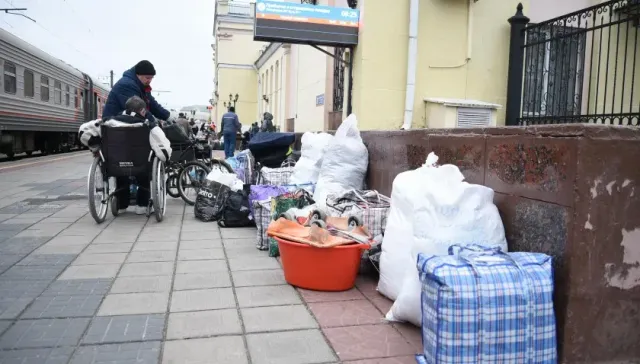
(262, 215)
(482, 306)
(275, 176)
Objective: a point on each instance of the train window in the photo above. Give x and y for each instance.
(10, 83)
(29, 89)
(66, 96)
(75, 97)
(57, 92)
(44, 88)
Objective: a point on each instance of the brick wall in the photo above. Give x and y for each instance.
(568, 191)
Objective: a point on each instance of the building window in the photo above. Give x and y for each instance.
(57, 92)
(66, 96)
(44, 88)
(29, 89)
(10, 83)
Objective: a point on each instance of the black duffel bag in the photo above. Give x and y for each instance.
(236, 212)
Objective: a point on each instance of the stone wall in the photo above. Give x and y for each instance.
(568, 191)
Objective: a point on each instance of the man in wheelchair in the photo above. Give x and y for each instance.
(135, 112)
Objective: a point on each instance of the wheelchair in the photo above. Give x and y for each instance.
(124, 152)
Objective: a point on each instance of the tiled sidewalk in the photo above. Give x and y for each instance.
(135, 291)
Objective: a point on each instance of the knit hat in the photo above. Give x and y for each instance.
(145, 68)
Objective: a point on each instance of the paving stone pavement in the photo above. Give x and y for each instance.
(132, 290)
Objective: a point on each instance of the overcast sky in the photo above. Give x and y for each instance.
(96, 36)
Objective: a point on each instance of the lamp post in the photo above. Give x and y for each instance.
(233, 100)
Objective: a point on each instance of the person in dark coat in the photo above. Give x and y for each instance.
(230, 128)
(267, 123)
(135, 82)
(255, 129)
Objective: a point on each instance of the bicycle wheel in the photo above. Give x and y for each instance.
(191, 179)
(158, 189)
(98, 192)
(221, 165)
(172, 186)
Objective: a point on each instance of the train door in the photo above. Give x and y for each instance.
(85, 98)
(90, 99)
(95, 106)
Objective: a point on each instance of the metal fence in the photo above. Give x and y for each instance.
(578, 68)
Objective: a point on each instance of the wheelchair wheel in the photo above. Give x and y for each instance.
(191, 179)
(172, 186)
(158, 189)
(98, 191)
(115, 211)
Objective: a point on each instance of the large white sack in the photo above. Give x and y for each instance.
(307, 169)
(344, 166)
(398, 234)
(447, 211)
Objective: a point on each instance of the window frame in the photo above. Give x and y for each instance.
(42, 87)
(6, 74)
(67, 97)
(33, 83)
(57, 92)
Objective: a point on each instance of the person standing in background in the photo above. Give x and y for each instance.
(230, 126)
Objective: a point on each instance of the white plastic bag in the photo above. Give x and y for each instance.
(160, 144)
(398, 236)
(90, 134)
(344, 165)
(446, 211)
(307, 169)
(230, 180)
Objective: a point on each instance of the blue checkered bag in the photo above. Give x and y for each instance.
(481, 305)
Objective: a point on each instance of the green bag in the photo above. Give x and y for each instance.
(298, 199)
(274, 250)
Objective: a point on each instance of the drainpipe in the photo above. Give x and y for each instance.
(411, 64)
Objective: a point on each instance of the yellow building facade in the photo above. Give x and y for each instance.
(234, 54)
(461, 59)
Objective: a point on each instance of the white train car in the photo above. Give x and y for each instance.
(43, 100)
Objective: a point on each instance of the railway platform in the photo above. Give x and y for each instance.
(132, 290)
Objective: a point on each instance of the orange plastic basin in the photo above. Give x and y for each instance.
(320, 269)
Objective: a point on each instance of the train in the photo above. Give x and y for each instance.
(43, 100)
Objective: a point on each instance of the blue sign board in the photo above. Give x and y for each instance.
(320, 100)
(287, 22)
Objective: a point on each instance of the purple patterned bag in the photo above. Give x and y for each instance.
(264, 192)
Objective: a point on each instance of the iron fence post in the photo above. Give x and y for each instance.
(516, 66)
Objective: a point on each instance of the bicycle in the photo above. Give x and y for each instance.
(184, 172)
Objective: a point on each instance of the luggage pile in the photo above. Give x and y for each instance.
(437, 244)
